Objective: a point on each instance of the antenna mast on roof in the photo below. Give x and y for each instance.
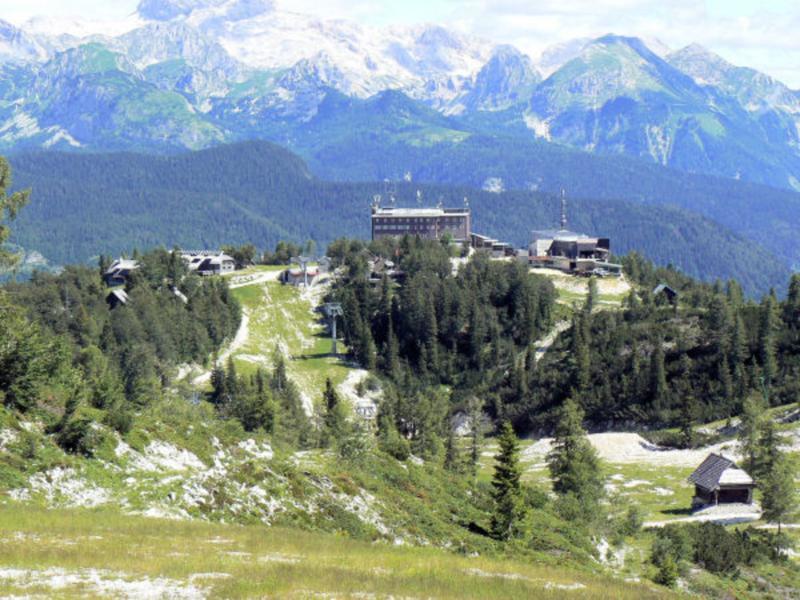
(563, 210)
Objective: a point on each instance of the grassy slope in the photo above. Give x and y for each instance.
(281, 316)
(270, 562)
(415, 503)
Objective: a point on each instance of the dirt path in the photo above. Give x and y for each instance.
(724, 514)
(543, 345)
(256, 279)
(239, 340)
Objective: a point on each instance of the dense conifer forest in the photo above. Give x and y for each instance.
(652, 364)
(65, 348)
(85, 205)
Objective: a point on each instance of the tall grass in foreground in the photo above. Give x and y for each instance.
(273, 562)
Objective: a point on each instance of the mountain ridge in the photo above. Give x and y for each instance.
(85, 204)
(623, 96)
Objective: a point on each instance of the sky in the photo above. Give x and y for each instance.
(761, 34)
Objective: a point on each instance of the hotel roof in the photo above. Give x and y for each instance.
(417, 212)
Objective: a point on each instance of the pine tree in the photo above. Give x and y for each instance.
(779, 493)
(767, 339)
(573, 463)
(452, 456)
(475, 416)
(659, 391)
(507, 487)
(749, 430)
(335, 416)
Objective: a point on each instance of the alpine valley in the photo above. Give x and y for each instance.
(188, 74)
(612, 118)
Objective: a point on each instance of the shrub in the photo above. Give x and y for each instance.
(667, 573)
(717, 550)
(28, 445)
(631, 522)
(395, 445)
(672, 542)
(353, 445)
(80, 436)
(120, 419)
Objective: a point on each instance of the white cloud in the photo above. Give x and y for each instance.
(746, 34)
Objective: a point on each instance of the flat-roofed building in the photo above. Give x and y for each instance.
(571, 252)
(427, 223)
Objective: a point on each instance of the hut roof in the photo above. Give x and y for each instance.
(716, 471)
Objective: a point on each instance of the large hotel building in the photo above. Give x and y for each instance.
(427, 223)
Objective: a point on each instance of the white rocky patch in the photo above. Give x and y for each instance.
(635, 483)
(566, 587)
(361, 505)
(63, 487)
(280, 558)
(659, 144)
(158, 457)
(631, 448)
(609, 556)
(540, 128)
(482, 573)
(365, 406)
(21, 125)
(252, 448)
(100, 582)
(7, 437)
(61, 135)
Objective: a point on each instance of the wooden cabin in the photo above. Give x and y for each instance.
(718, 480)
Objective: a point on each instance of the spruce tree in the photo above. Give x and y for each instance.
(686, 419)
(218, 384)
(452, 456)
(507, 487)
(591, 297)
(659, 391)
(779, 493)
(475, 416)
(573, 463)
(767, 344)
(335, 415)
(749, 431)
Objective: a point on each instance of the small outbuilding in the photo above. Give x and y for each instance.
(664, 291)
(117, 298)
(119, 272)
(718, 480)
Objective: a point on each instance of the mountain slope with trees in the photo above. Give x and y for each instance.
(85, 205)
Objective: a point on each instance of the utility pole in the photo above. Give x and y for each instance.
(563, 210)
(303, 261)
(333, 310)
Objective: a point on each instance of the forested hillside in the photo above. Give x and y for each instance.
(650, 364)
(768, 216)
(85, 205)
(96, 414)
(68, 345)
